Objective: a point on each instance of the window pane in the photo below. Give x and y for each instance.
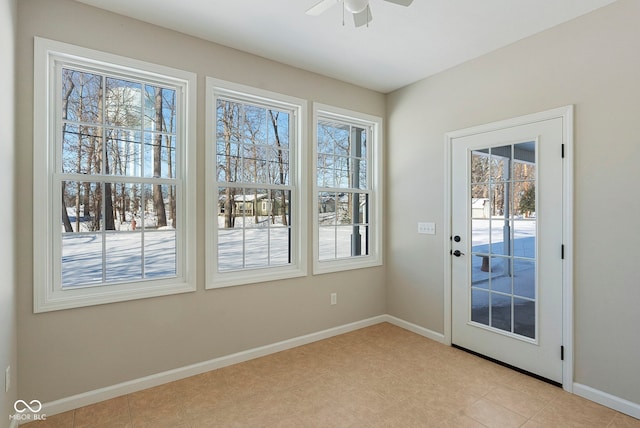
(499, 163)
(524, 317)
(160, 109)
(363, 208)
(499, 272)
(325, 171)
(159, 155)
(81, 259)
(342, 172)
(500, 237)
(226, 215)
(524, 165)
(81, 96)
(124, 153)
(228, 121)
(123, 103)
(255, 124)
(81, 206)
(257, 247)
(360, 172)
(501, 312)
(278, 166)
(524, 238)
(160, 206)
(360, 241)
(326, 243)
(524, 282)
(230, 249)
(228, 158)
(524, 198)
(480, 168)
(123, 252)
(81, 149)
(344, 208)
(343, 241)
(278, 129)
(279, 241)
(479, 306)
(279, 208)
(160, 254)
(126, 200)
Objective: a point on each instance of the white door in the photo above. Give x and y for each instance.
(506, 230)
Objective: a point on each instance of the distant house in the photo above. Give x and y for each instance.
(480, 208)
(253, 204)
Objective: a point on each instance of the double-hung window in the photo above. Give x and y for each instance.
(113, 178)
(254, 185)
(347, 189)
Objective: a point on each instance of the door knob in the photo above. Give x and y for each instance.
(457, 253)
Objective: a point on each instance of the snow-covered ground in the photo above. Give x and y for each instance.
(131, 254)
(127, 255)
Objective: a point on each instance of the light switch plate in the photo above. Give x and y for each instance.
(426, 228)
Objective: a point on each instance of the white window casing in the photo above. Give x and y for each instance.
(254, 195)
(329, 229)
(55, 286)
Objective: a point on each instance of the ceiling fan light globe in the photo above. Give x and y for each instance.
(355, 6)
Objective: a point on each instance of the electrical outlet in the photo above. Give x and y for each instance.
(7, 379)
(334, 298)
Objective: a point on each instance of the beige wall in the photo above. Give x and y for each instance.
(8, 329)
(592, 62)
(69, 352)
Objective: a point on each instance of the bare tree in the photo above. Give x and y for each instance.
(281, 166)
(228, 115)
(171, 102)
(158, 197)
(65, 107)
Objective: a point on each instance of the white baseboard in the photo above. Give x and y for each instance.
(616, 403)
(95, 396)
(429, 334)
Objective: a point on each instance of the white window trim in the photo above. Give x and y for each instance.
(219, 88)
(375, 178)
(48, 297)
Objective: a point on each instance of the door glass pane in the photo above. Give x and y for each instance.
(524, 278)
(501, 311)
(500, 278)
(480, 306)
(524, 238)
(524, 315)
(503, 238)
(480, 167)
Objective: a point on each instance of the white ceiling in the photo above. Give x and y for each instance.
(400, 46)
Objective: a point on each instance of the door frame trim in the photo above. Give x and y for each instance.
(566, 114)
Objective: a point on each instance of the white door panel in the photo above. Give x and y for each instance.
(506, 224)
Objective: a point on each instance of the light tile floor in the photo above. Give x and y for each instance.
(380, 376)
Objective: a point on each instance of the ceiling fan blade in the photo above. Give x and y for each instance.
(363, 18)
(320, 7)
(401, 2)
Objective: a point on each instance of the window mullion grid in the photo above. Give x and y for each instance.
(143, 87)
(103, 171)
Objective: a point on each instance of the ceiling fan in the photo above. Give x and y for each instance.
(359, 8)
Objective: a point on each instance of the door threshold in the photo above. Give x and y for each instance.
(509, 366)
